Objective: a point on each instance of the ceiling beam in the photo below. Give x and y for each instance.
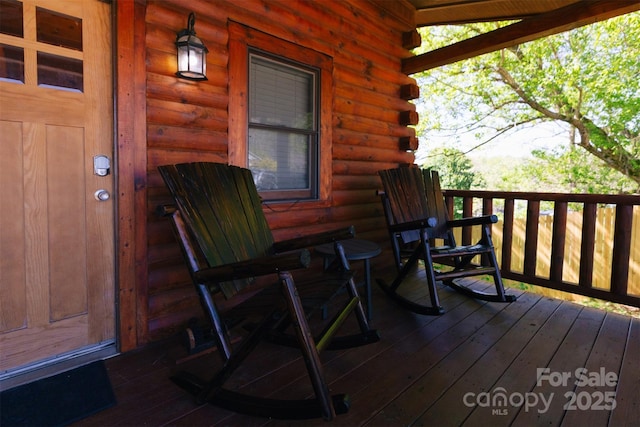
(464, 12)
(543, 25)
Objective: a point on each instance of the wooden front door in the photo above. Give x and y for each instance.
(56, 237)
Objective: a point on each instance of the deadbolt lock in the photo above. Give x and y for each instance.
(101, 165)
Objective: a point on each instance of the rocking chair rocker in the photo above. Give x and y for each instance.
(416, 213)
(229, 248)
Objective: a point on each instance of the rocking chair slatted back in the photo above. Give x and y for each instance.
(401, 187)
(227, 229)
(438, 208)
(402, 184)
(402, 205)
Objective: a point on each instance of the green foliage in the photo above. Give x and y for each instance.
(455, 171)
(588, 78)
(564, 170)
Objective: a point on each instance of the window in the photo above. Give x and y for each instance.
(280, 115)
(283, 130)
(53, 30)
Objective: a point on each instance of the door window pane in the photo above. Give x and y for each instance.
(11, 18)
(58, 71)
(11, 63)
(58, 29)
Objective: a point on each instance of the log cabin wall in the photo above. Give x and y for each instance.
(189, 121)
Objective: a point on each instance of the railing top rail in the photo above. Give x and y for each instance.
(615, 199)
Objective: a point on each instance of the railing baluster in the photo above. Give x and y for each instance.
(467, 211)
(487, 209)
(449, 201)
(557, 240)
(531, 242)
(487, 206)
(507, 235)
(588, 244)
(621, 249)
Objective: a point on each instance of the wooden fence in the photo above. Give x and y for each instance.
(585, 244)
(603, 251)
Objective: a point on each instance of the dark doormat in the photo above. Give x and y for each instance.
(58, 400)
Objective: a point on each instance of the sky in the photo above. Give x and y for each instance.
(519, 143)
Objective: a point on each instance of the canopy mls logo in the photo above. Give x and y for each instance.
(500, 401)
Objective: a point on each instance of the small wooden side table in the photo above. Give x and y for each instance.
(355, 250)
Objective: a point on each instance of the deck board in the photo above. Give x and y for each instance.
(572, 352)
(456, 352)
(628, 392)
(500, 366)
(606, 356)
(418, 374)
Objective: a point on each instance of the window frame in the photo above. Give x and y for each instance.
(312, 135)
(243, 41)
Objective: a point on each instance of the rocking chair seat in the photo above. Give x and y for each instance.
(448, 251)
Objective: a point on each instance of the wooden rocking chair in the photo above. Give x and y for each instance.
(229, 249)
(416, 213)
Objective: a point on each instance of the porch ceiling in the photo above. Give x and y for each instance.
(443, 12)
(534, 20)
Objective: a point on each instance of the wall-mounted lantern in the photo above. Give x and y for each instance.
(192, 53)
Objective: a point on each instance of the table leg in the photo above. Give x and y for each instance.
(367, 283)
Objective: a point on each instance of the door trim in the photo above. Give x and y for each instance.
(131, 176)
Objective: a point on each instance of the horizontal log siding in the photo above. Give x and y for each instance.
(188, 121)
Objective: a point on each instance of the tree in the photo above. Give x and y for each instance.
(455, 171)
(561, 170)
(587, 78)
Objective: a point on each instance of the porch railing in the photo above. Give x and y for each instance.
(603, 235)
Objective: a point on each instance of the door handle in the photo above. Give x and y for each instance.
(102, 195)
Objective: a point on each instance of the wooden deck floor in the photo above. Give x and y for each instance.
(448, 370)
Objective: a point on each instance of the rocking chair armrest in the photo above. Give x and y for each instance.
(165, 210)
(315, 239)
(430, 222)
(255, 267)
(476, 220)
